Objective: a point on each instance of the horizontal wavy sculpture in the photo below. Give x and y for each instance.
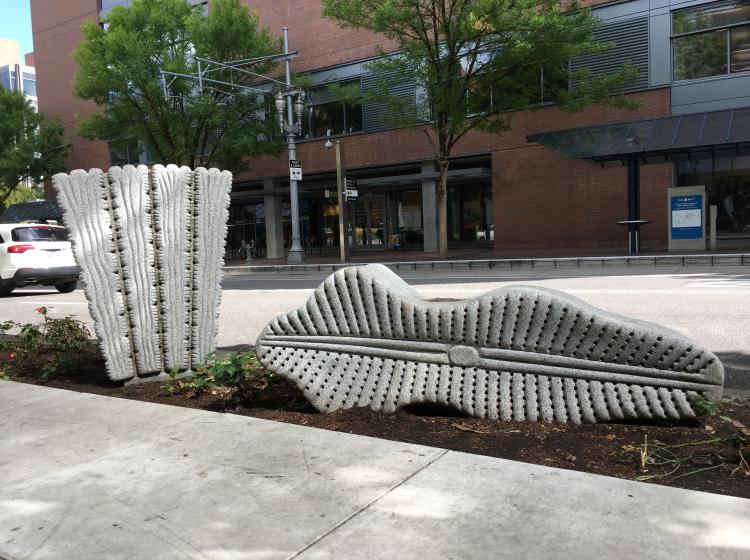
(150, 245)
(366, 338)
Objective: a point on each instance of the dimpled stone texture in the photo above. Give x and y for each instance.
(366, 338)
(150, 245)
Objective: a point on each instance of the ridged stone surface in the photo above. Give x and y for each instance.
(150, 245)
(366, 338)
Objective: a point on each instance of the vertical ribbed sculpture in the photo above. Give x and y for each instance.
(150, 245)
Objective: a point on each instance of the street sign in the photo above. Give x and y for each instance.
(351, 188)
(295, 170)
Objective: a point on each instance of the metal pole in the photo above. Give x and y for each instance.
(296, 252)
(341, 187)
(634, 206)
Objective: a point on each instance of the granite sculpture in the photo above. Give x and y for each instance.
(365, 338)
(150, 245)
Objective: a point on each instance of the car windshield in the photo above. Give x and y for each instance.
(39, 233)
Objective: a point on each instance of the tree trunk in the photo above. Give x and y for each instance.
(442, 200)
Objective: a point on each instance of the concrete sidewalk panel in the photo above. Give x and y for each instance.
(193, 484)
(14, 397)
(473, 508)
(215, 486)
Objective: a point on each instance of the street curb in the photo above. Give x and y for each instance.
(729, 259)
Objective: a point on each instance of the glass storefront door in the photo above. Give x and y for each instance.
(727, 182)
(368, 219)
(470, 213)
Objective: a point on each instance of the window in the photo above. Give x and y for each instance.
(711, 40)
(727, 181)
(39, 233)
(327, 112)
(29, 84)
(247, 223)
(5, 79)
(124, 152)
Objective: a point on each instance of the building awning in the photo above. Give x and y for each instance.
(696, 136)
(40, 210)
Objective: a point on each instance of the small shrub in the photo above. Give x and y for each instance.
(53, 346)
(241, 373)
(704, 406)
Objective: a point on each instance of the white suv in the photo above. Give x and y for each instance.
(33, 253)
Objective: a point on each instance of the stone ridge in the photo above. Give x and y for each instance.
(365, 338)
(150, 245)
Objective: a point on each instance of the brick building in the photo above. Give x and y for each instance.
(505, 192)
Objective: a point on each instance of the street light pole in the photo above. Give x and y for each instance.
(341, 187)
(296, 252)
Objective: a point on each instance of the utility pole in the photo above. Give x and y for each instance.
(343, 208)
(290, 101)
(296, 252)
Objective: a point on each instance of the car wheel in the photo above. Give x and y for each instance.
(66, 287)
(6, 289)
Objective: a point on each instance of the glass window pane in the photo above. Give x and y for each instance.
(38, 233)
(727, 182)
(353, 117)
(713, 15)
(249, 212)
(29, 87)
(329, 116)
(740, 49)
(700, 56)
(118, 153)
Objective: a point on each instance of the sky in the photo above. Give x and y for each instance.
(15, 23)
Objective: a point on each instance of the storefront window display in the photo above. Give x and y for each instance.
(727, 182)
(470, 214)
(247, 221)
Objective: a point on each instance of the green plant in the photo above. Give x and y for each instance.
(240, 373)
(31, 146)
(54, 345)
(704, 406)
(5, 326)
(173, 384)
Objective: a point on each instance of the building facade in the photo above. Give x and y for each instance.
(17, 74)
(505, 193)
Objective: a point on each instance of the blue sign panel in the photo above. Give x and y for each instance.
(686, 216)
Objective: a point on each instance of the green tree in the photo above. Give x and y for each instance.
(476, 61)
(119, 68)
(30, 145)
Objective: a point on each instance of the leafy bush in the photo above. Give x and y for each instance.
(241, 373)
(54, 346)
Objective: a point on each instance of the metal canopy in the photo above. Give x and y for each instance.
(715, 133)
(41, 210)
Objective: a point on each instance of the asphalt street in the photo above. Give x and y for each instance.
(710, 305)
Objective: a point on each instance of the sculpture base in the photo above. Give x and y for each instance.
(163, 376)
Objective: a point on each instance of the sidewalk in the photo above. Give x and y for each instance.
(421, 261)
(90, 477)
